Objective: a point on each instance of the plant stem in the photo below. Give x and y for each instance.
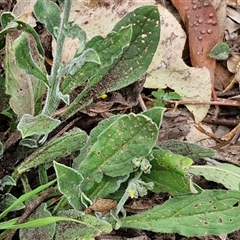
(52, 100)
(126, 194)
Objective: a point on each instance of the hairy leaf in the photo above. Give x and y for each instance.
(226, 174)
(46, 232)
(130, 136)
(60, 147)
(213, 212)
(130, 65)
(48, 13)
(85, 227)
(191, 150)
(25, 60)
(168, 173)
(41, 124)
(66, 177)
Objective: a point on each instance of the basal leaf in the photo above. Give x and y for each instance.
(131, 64)
(60, 147)
(46, 232)
(213, 212)
(108, 49)
(130, 136)
(85, 227)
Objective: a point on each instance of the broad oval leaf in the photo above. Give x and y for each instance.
(130, 136)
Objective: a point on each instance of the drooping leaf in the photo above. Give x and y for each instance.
(168, 173)
(212, 212)
(18, 84)
(46, 232)
(41, 124)
(48, 12)
(63, 146)
(226, 174)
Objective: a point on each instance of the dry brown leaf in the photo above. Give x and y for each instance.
(203, 30)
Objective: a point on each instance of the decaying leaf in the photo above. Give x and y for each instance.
(203, 31)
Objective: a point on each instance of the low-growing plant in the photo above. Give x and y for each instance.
(119, 158)
(162, 97)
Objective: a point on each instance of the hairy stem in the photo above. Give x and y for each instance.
(52, 100)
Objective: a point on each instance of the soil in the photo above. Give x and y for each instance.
(124, 100)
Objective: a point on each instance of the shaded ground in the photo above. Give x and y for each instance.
(174, 127)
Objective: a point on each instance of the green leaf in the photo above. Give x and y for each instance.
(191, 150)
(74, 65)
(107, 186)
(66, 177)
(108, 49)
(46, 232)
(48, 12)
(174, 96)
(41, 124)
(29, 29)
(60, 147)
(156, 114)
(6, 18)
(25, 90)
(7, 25)
(130, 65)
(130, 136)
(209, 213)
(220, 51)
(6, 181)
(226, 174)
(168, 173)
(93, 136)
(84, 227)
(158, 94)
(73, 31)
(25, 60)
(138, 55)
